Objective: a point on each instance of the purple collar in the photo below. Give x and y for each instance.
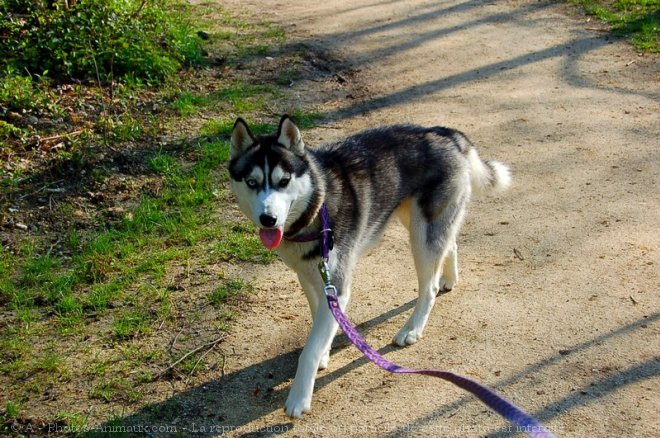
(326, 235)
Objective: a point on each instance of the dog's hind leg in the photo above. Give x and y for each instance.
(431, 243)
(449, 276)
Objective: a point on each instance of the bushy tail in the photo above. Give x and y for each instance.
(487, 175)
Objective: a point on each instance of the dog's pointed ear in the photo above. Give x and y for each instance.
(288, 135)
(241, 139)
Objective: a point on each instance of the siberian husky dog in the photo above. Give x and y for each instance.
(425, 176)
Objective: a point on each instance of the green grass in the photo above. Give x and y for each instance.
(49, 363)
(105, 390)
(75, 421)
(188, 103)
(223, 127)
(245, 97)
(99, 302)
(124, 127)
(638, 20)
(306, 119)
(131, 324)
(119, 273)
(237, 97)
(12, 409)
(240, 241)
(228, 290)
(140, 244)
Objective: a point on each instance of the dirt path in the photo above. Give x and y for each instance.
(557, 306)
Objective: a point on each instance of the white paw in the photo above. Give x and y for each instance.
(446, 284)
(297, 404)
(407, 336)
(325, 360)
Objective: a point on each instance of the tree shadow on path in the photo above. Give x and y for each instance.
(231, 403)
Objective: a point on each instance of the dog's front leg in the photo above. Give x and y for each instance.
(311, 282)
(318, 343)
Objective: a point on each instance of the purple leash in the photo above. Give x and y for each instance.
(523, 421)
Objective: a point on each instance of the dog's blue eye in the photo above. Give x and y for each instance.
(284, 182)
(251, 183)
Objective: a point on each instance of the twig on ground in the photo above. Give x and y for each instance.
(66, 134)
(224, 361)
(198, 361)
(191, 352)
(53, 246)
(169, 349)
(518, 254)
(46, 188)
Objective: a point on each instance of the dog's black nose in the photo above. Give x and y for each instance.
(267, 220)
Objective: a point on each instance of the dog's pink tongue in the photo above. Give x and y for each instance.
(271, 237)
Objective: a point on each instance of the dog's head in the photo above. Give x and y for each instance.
(270, 177)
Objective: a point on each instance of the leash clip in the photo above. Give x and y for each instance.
(324, 269)
(330, 290)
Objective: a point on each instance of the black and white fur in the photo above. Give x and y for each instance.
(424, 175)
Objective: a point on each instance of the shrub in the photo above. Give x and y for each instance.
(97, 39)
(19, 92)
